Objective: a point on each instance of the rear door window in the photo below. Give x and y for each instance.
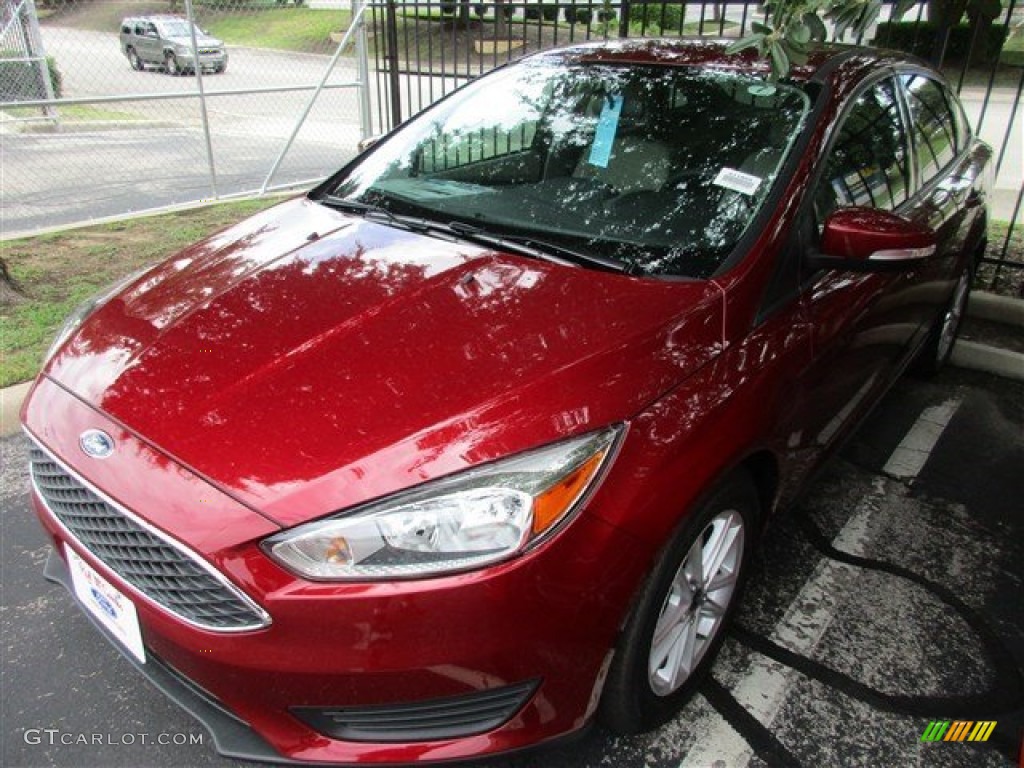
(934, 132)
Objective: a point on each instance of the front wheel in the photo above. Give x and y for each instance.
(135, 61)
(679, 620)
(171, 65)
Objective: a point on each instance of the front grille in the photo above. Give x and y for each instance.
(448, 718)
(208, 52)
(164, 572)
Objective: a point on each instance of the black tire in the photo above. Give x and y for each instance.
(221, 69)
(171, 65)
(642, 691)
(944, 332)
(135, 61)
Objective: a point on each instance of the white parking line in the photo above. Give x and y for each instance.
(763, 689)
(913, 451)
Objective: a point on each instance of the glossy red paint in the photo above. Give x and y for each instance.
(402, 641)
(860, 233)
(307, 361)
(216, 350)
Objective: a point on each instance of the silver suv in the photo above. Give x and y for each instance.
(166, 41)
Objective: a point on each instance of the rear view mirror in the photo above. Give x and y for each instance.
(869, 240)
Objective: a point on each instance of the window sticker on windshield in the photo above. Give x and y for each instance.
(604, 137)
(737, 181)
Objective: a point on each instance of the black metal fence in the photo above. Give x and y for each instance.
(424, 49)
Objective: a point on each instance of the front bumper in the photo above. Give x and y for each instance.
(231, 736)
(209, 61)
(547, 620)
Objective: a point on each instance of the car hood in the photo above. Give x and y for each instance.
(306, 361)
(202, 41)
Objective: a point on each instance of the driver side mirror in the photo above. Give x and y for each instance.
(869, 240)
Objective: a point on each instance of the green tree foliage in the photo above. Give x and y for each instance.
(794, 24)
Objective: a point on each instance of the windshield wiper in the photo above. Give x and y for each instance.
(377, 214)
(524, 244)
(536, 247)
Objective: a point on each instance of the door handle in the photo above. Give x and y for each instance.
(957, 189)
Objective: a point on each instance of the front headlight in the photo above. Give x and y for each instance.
(86, 308)
(467, 521)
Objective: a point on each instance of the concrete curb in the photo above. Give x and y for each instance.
(11, 399)
(980, 357)
(966, 354)
(997, 309)
(19, 127)
(95, 126)
(291, 191)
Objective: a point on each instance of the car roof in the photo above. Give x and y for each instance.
(156, 17)
(712, 53)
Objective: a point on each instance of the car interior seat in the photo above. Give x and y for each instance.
(638, 162)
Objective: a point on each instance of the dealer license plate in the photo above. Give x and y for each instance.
(109, 605)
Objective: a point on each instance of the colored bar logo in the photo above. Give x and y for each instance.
(958, 730)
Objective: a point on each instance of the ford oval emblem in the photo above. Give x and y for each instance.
(96, 443)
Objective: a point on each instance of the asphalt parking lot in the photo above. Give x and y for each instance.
(890, 597)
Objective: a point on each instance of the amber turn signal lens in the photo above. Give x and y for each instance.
(552, 504)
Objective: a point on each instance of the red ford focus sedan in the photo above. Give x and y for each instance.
(472, 445)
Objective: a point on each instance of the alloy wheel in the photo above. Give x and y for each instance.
(953, 317)
(697, 603)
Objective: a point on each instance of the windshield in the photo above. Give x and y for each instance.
(660, 168)
(177, 29)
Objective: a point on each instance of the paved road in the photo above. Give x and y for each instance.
(85, 176)
(158, 157)
(92, 65)
(836, 660)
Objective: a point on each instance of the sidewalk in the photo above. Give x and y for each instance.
(1003, 357)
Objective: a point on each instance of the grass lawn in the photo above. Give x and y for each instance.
(289, 28)
(286, 27)
(59, 271)
(1008, 281)
(1013, 49)
(75, 113)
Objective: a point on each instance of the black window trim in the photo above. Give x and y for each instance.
(805, 231)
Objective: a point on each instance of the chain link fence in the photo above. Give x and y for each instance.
(115, 106)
